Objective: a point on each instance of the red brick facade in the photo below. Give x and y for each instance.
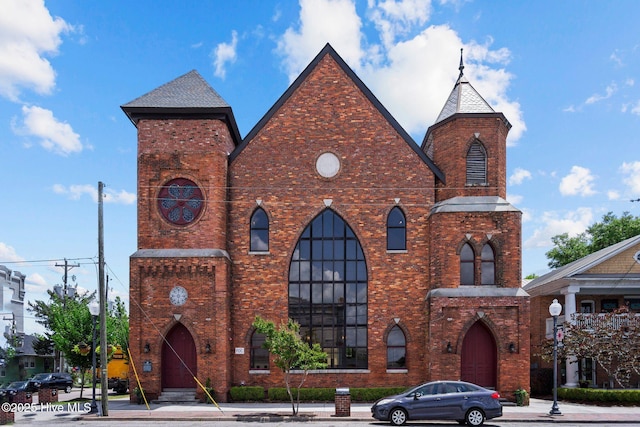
(327, 110)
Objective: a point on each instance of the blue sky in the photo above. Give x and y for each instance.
(566, 74)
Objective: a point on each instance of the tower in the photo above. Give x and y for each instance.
(185, 133)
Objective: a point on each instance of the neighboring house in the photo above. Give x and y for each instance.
(600, 282)
(403, 261)
(25, 363)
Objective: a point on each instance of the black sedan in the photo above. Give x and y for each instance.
(12, 389)
(440, 400)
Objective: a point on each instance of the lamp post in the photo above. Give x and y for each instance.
(555, 309)
(94, 309)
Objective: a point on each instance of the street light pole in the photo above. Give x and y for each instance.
(94, 309)
(555, 309)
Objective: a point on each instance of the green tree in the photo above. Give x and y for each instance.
(291, 353)
(600, 235)
(69, 327)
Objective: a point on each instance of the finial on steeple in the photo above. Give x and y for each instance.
(461, 64)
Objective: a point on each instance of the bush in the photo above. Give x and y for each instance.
(279, 394)
(595, 395)
(247, 394)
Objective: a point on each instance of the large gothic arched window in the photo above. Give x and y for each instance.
(328, 291)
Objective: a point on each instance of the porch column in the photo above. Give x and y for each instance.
(569, 310)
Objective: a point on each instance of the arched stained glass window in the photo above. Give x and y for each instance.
(259, 231)
(467, 265)
(328, 291)
(396, 230)
(488, 266)
(396, 349)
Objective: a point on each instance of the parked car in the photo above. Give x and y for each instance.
(57, 380)
(13, 388)
(440, 400)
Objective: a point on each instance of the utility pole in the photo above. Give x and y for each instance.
(63, 295)
(104, 386)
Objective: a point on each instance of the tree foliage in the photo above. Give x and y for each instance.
(291, 353)
(69, 326)
(599, 235)
(611, 339)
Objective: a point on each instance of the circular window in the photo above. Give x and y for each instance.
(328, 165)
(180, 201)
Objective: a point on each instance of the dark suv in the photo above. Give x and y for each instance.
(57, 380)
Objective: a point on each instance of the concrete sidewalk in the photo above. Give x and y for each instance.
(537, 411)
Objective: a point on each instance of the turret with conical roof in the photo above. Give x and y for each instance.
(468, 143)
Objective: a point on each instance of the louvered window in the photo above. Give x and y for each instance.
(476, 164)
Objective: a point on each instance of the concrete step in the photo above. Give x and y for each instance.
(177, 395)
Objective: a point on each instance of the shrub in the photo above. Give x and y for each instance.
(596, 395)
(279, 394)
(247, 394)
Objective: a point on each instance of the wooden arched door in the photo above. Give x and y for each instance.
(179, 359)
(479, 357)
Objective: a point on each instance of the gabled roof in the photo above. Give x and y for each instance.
(328, 50)
(188, 95)
(582, 265)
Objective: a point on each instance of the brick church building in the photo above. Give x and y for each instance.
(403, 261)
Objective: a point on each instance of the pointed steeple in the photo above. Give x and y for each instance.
(463, 98)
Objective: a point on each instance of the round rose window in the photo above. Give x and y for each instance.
(180, 201)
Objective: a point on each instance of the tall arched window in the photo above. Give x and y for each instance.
(259, 231)
(328, 291)
(396, 349)
(467, 265)
(396, 230)
(488, 266)
(259, 355)
(476, 164)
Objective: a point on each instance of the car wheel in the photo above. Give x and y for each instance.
(475, 417)
(68, 389)
(398, 417)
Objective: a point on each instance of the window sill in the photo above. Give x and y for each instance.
(259, 371)
(259, 253)
(397, 371)
(397, 251)
(334, 371)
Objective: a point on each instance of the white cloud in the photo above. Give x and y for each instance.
(75, 192)
(225, 53)
(27, 33)
(321, 22)
(393, 18)
(518, 176)
(631, 172)
(578, 182)
(609, 91)
(515, 199)
(573, 223)
(54, 135)
(412, 75)
(613, 195)
(8, 253)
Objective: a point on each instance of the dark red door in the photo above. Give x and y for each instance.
(479, 357)
(179, 359)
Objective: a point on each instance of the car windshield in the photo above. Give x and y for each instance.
(16, 384)
(40, 376)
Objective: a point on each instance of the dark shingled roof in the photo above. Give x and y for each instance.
(187, 91)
